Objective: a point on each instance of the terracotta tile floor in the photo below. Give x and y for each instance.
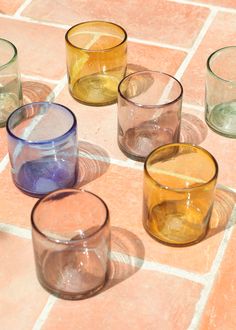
(151, 286)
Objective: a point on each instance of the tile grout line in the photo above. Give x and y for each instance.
(22, 7)
(57, 89)
(123, 258)
(4, 162)
(14, 230)
(66, 27)
(193, 106)
(158, 44)
(205, 5)
(196, 44)
(45, 312)
(129, 163)
(35, 21)
(156, 266)
(47, 80)
(205, 294)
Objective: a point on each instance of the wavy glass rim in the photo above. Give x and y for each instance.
(94, 50)
(181, 145)
(212, 56)
(13, 58)
(150, 106)
(69, 241)
(58, 138)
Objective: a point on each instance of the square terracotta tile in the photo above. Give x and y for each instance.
(145, 300)
(16, 208)
(143, 57)
(220, 309)
(21, 297)
(9, 7)
(220, 34)
(161, 21)
(38, 55)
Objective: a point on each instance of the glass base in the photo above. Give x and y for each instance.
(138, 142)
(222, 119)
(177, 225)
(73, 274)
(39, 177)
(96, 90)
(8, 103)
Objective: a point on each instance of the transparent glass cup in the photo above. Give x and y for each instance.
(149, 112)
(96, 61)
(71, 242)
(42, 146)
(10, 83)
(220, 95)
(179, 185)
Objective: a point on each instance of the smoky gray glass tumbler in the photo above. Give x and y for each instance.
(149, 112)
(71, 241)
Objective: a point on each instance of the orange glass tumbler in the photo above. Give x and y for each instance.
(179, 185)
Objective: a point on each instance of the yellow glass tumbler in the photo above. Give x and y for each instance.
(179, 185)
(96, 61)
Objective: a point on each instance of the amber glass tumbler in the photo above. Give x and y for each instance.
(96, 61)
(179, 185)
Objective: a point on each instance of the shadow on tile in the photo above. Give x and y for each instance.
(94, 161)
(193, 129)
(131, 67)
(125, 246)
(222, 210)
(34, 91)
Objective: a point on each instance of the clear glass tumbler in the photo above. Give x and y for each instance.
(71, 241)
(96, 61)
(149, 112)
(42, 145)
(10, 83)
(220, 103)
(179, 185)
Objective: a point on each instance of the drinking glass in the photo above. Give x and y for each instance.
(71, 241)
(10, 84)
(149, 112)
(96, 61)
(179, 185)
(42, 145)
(220, 113)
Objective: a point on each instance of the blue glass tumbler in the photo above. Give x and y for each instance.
(42, 146)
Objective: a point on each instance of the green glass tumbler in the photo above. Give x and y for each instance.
(220, 93)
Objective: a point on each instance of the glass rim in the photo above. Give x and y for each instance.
(150, 106)
(13, 58)
(68, 241)
(94, 50)
(181, 189)
(211, 57)
(43, 142)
